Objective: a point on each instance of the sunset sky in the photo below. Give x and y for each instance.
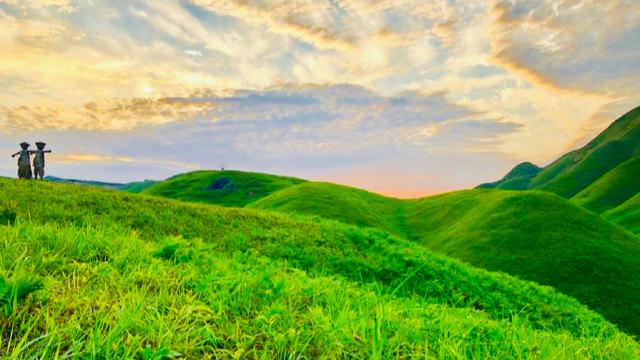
(405, 97)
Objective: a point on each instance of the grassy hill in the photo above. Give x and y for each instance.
(517, 179)
(534, 235)
(627, 215)
(228, 188)
(613, 188)
(94, 273)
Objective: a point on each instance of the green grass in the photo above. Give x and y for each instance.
(612, 189)
(228, 188)
(627, 215)
(533, 235)
(132, 276)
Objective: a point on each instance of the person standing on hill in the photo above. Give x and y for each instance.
(38, 160)
(24, 161)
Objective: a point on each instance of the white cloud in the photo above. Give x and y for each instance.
(196, 53)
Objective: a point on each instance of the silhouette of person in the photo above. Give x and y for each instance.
(38, 160)
(24, 161)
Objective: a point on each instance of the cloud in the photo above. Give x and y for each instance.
(195, 53)
(567, 45)
(112, 114)
(80, 158)
(302, 20)
(61, 5)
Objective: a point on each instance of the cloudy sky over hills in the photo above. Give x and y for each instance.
(404, 97)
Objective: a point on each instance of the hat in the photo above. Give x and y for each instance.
(24, 143)
(40, 144)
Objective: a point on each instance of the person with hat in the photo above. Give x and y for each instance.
(24, 161)
(38, 160)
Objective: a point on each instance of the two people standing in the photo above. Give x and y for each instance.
(24, 161)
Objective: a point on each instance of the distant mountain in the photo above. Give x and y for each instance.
(517, 179)
(135, 187)
(599, 176)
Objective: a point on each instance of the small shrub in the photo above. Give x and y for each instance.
(8, 213)
(13, 293)
(168, 252)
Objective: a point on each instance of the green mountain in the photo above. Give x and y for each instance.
(517, 179)
(577, 173)
(228, 188)
(94, 273)
(578, 169)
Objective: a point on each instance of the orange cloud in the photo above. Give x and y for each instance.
(113, 114)
(90, 158)
(541, 42)
(289, 18)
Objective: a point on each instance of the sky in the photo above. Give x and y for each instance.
(402, 97)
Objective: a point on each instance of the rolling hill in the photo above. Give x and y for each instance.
(583, 174)
(227, 188)
(93, 273)
(534, 235)
(342, 203)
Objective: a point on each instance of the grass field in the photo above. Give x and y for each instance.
(95, 273)
(534, 235)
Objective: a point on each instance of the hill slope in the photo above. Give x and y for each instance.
(627, 215)
(136, 276)
(576, 171)
(533, 235)
(227, 188)
(613, 188)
